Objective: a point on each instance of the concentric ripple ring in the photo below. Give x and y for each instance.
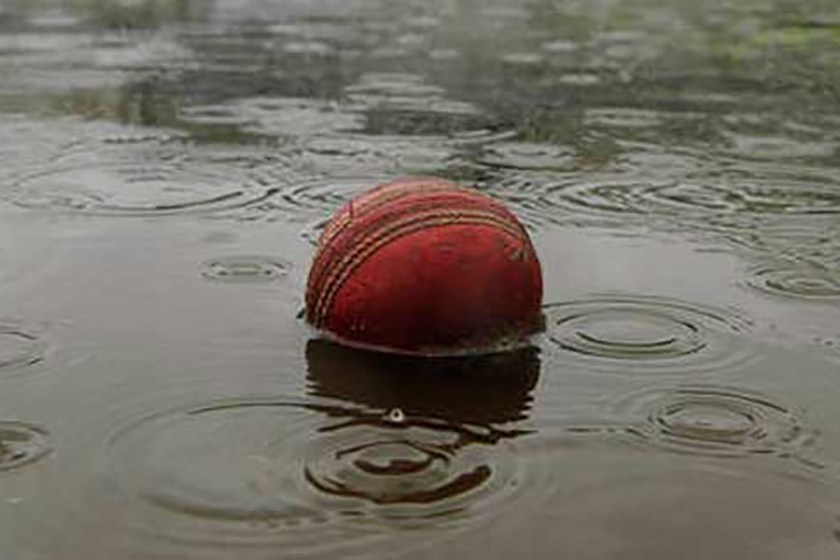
(717, 421)
(804, 283)
(634, 334)
(232, 468)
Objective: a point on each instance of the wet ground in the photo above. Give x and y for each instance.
(165, 167)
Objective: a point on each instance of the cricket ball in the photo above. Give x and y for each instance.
(423, 266)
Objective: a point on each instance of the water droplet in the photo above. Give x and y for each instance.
(396, 416)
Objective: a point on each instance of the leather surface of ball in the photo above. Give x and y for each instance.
(424, 266)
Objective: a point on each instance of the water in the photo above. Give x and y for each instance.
(166, 167)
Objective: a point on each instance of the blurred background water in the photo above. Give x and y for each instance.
(166, 166)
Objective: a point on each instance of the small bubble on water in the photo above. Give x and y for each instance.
(395, 415)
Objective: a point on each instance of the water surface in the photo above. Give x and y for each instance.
(166, 167)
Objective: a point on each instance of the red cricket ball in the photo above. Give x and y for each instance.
(423, 266)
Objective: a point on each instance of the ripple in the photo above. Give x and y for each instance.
(415, 465)
(723, 204)
(543, 199)
(382, 445)
(777, 148)
(290, 116)
(311, 202)
(304, 473)
(580, 79)
(634, 334)
(620, 197)
(141, 189)
(244, 269)
(364, 155)
(622, 117)
(21, 444)
(378, 86)
(19, 346)
(802, 282)
(560, 47)
(718, 421)
(757, 198)
(630, 334)
(216, 115)
(746, 198)
(403, 105)
(648, 505)
(814, 241)
(526, 155)
(96, 168)
(442, 121)
(520, 59)
(323, 196)
(309, 48)
(18, 43)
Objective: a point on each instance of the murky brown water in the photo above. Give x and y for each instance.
(166, 165)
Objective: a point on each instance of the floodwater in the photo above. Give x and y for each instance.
(166, 166)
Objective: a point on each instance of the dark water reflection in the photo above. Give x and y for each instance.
(167, 165)
(483, 390)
